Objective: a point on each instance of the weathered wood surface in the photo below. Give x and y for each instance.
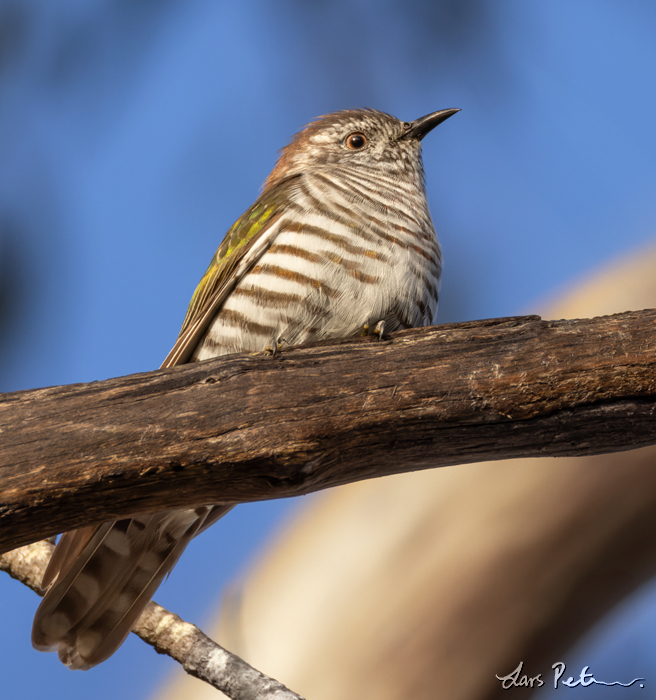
(244, 428)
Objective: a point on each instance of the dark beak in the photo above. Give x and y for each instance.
(420, 127)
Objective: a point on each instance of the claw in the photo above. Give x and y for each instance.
(365, 330)
(278, 347)
(379, 330)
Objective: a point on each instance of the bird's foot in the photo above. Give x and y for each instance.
(378, 330)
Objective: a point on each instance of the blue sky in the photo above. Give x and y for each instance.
(133, 135)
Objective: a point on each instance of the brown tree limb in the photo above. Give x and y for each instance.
(168, 634)
(244, 428)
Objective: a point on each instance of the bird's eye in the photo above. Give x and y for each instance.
(356, 141)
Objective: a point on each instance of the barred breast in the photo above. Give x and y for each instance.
(349, 251)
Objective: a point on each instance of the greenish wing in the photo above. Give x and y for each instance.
(235, 256)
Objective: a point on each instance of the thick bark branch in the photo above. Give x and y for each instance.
(168, 634)
(244, 428)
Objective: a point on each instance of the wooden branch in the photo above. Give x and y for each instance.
(168, 634)
(244, 428)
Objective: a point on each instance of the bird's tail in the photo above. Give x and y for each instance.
(100, 579)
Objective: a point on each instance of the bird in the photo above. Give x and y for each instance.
(339, 243)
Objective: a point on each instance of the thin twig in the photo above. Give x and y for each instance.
(168, 634)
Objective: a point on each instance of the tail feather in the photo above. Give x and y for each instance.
(101, 578)
(70, 546)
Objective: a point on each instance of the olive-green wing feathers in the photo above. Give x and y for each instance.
(246, 241)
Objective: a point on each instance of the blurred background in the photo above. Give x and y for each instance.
(133, 134)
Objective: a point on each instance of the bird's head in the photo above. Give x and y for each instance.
(357, 138)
